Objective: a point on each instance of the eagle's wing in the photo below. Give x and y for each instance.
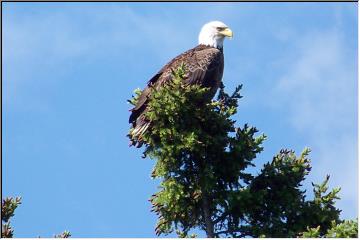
(201, 63)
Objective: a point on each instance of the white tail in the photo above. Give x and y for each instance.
(139, 130)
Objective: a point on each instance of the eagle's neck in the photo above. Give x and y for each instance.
(203, 46)
(211, 41)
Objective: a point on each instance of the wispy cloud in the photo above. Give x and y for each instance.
(52, 43)
(318, 90)
(62, 34)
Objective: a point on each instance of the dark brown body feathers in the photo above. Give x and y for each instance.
(204, 66)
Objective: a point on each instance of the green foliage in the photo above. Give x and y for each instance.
(311, 233)
(201, 159)
(184, 235)
(135, 97)
(279, 208)
(345, 229)
(8, 206)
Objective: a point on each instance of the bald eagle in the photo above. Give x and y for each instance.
(204, 65)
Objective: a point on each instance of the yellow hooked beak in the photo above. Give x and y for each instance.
(227, 32)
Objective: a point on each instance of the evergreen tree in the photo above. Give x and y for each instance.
(201, 158)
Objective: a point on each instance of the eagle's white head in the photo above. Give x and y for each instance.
(213, 34)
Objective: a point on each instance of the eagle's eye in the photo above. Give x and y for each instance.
(220, 28)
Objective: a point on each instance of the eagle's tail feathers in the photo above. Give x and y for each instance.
(136, 134)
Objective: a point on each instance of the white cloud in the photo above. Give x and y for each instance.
(63, 35)
(54, 42)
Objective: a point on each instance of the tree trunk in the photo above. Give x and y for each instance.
(207, 215)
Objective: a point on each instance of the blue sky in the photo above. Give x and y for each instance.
(68, 69)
